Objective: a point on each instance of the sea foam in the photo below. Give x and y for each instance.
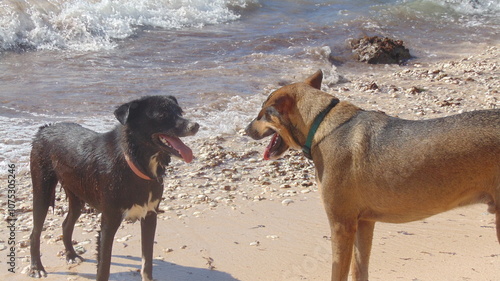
(85, 25)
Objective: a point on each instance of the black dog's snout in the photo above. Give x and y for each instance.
(185, 128)
(193, 127)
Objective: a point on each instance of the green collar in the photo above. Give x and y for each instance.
(306, 149)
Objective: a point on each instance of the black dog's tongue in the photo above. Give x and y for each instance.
(177, 144)
(267, 152)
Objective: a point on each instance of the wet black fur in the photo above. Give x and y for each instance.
(91, 168)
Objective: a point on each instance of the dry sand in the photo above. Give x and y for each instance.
(232, 216)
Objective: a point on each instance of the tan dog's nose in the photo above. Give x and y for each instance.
(252, 132)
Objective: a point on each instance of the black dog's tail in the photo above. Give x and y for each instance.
(43, 175)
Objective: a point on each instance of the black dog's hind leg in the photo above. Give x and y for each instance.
(75, 210)
(44, 186)
(110, 221)
(148, 229)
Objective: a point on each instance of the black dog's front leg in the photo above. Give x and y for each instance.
(109, 226)
(148, 229)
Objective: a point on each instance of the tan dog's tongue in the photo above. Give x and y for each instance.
(184, 150)
(267, 152)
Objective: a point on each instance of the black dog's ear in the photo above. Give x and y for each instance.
(122, 113)
(174, 99)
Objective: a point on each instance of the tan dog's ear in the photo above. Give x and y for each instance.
(284, 104)
(315, 79)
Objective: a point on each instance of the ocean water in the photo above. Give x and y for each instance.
(77, 60)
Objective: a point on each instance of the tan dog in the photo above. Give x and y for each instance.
(373, 167)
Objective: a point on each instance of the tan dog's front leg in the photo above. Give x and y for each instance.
(362, 249)
(343, 235)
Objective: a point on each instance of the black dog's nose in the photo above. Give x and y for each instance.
(193, 127)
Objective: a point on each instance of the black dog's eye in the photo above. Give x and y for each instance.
(159, 115)
(164, 115)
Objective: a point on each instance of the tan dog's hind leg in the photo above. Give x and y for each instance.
(494, 208)
(362, 249)
(498, 223)
(343, 236)
(497, 213)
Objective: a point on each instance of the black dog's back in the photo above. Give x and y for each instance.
(68, 151)
(57, 138)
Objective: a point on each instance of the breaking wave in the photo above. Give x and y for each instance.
(87, 25)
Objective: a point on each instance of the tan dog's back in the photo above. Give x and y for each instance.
(421, 167)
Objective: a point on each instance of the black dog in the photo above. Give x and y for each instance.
(119, 173)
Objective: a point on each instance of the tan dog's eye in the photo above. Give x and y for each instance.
(271, 111)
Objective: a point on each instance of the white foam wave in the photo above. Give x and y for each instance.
(236, 113)
(471, 7)
(97, 24)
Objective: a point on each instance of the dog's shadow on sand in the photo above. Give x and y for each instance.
(162, 271)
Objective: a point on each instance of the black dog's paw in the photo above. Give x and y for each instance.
(36, 272)
(74, 259)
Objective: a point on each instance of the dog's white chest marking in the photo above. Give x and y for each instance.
(140, 211)
(153, 164)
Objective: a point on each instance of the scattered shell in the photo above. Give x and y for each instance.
(86, 242)
(24, 244)
(307, 183)
(287, 202)
(80, 250)
(124, 238)
(25, 270)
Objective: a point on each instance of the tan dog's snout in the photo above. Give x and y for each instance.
(256, 130)
(252, 130)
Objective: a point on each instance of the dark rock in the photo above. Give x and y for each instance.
(376, 50)
(373, 86)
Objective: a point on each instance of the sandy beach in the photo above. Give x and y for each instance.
(230, 215)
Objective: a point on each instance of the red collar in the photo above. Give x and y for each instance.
(135, 169)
